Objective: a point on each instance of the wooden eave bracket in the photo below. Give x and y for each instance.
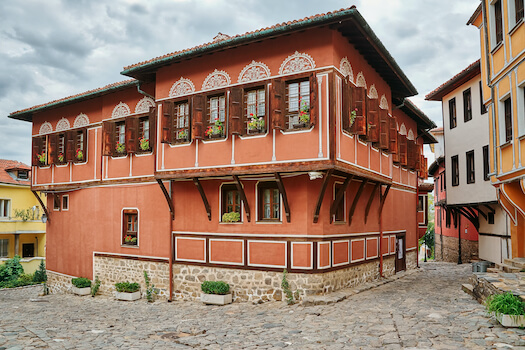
(42, 205)
(473, 219)
(280, 186)
(479, 212)
(243, 196)
(168, 198)
(489, 208)
(370, 200)
(203, 196)
(356, 199)
(383, 196)
(339, 196)
(321, 195)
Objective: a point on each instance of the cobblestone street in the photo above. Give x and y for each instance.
(423, 310)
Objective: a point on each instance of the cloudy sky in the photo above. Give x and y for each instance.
(53, 49)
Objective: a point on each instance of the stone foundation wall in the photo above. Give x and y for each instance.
(58, 283)
(446, 249)
(411, 259)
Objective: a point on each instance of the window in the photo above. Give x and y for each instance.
(255, 112)
(452, 113)
(28, 250)
(486, 167)
(56, 202)
(231, 203)
(120, 138)
(420, 203)
(4, 248)
(269, 199)
(518, 8)
(482, 105)
(39, 156)
(455, 170)
(445, 180)
(23, 174)
(498, 21)
(298, 104)
(447, 218)
(61, 149)
(5, 208)
(80, 145)
(216, 117)
(441, 180)
(438, 219)
(490, 218)
(181, 122)
(508, 120)
(130, 227)
(467, 105)
(339, 215)
(144, 136)
(65, 202)
(471, 178)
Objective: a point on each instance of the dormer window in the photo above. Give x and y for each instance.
(22, 174)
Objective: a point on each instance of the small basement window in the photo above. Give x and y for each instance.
(130, 227)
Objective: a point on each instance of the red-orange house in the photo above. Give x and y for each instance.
(290, 147)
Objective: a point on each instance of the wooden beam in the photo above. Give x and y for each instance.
(383, 198)
(321, 195)
(280, 185)
(474, 220)
(356, 199)
(42, 205)
(479, 212)
(492, 210)
(168, 198)
(370, 200)
(339, 196)
(203, 196)
(243, 196)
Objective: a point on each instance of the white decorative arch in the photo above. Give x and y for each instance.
(120, 110)
(63, 124)
(45, 128)
(254, 71)
(181, 87)
(383, 103)
(372, 92)
(346, 68)
(360, 80)
(410, 135)
(81, 120)
(144, 104)
(216, 79)
(402, 129)
(297, 62)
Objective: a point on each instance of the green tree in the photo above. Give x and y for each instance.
(11, 269)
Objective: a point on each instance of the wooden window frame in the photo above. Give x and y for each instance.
(116, 138)
(246, 119)
(420, 203)
(130, 213)
(209, 127)
(452, 113)
(518, 10)
(4, 247)
(39, 144)
(177, 133)
(482, 106)
(261, 186)
(5, 208)
(225, 188)
(471, 168)
(454, 161)
(57, 202)
(341, 209)
(77, 146)
(296, 114)
(486, 163)
(65, 202)
(498, 22)
(467, 105)
(507, 112)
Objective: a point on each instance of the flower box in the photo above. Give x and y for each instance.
(127, 296)
(216, 299)
(511, 320)
(300, 126)
(216, 136)
(256, 131)
(81, 291)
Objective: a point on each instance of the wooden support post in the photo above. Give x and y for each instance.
(370, 200)
(280, 185)
(339, 196)
(168, 198)
(203, 196)
(356, 199)
(243, 196)
(42, 205)
(321, 195)
(383, 198)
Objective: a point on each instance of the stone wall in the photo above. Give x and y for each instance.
(446, 249)
(411, 259)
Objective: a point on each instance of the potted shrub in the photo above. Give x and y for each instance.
(144, 144)
(215, 130)
(120, 148)
(304, 116)
(79, 155)
(81, 286)
(41, 158)
(255, 124)
(509, 309)
(231, 217)
(216, 293)
(127, 291)
(182, 135)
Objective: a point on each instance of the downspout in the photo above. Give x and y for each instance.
(459, 239)
(417, 225)
(144, 92)
(380, 234)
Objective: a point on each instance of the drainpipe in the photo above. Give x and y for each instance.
(459, 239)
(417, 225)
(380, 235)
(144, 92)
(171, 250)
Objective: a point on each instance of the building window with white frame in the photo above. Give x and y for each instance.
(4, 248)
(5, 208)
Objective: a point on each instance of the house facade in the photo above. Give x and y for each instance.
(478, 219)
(236, 159)
(22, 231)
(502, 37)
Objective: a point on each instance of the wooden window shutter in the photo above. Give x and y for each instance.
(108, 138)
(236, 110)
(37, 149)
(278, 104)
(152, 117)
(417, 158)
(166, 122)
(403, 149)
(314, 104)
(198, 112)
(70, 145)
(132, 134)
(373, 120)
(84, 143)
(359, 127)
(384, 129)
(346, 113)
(53, 149)
(411, 152)
(393, 135)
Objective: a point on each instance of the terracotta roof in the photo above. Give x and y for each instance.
(459, 79)
(422, 120)
(26, 114)
(435, 166)
(426, 187)
(6, 165)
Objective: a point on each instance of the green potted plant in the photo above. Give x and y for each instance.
(79, 155)
(256, 124)
(120, 148)
(304, 115)
(81, 286)
(182, 135)
(61, 157)
(127, 291)
(41, 158)
(508, 308)
(231, 217)
(216, 293)
(215, 130)
(144, 144)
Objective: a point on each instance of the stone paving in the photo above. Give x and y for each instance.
(423, 310)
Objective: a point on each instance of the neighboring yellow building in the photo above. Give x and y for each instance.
(502, 34)
(21, 233)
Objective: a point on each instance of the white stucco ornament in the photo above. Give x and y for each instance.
(216, 79)
(360, 80)
(346, 68)
(372, 92)
(45, 128)
(144, 105)
(297, 62)
(254, 71)
(182, 87)
(63, 124)
(81, 120)
(383, 102)
(120, 110)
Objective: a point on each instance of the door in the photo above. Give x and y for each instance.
(28, 250)
(400, 252)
